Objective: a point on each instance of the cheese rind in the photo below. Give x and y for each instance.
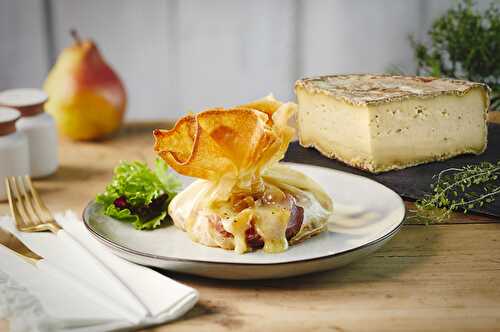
(382, 123)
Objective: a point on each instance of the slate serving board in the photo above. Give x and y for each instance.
(414, 182)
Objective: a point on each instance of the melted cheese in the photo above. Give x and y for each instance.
(271, 223)
(192, 210)
(238, 227)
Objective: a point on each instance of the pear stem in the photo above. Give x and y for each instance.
(76, 36)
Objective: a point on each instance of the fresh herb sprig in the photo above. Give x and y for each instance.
(464, 43)
(456, 189)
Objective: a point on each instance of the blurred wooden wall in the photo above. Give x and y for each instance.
(177, 56)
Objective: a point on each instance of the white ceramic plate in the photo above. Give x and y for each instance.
(366, 215)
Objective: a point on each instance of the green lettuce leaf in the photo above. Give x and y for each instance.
(140, 185)
(150, 224)
(123, 215)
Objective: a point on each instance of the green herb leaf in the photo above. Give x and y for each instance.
(464, 43)
(457, 189)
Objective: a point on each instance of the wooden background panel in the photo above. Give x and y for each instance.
(23, 47)
(358, 36)
(133, 37)
(230, 52)
(176, 56)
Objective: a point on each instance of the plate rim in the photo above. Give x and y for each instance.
(131, 251)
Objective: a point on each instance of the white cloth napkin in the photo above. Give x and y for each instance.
(68, 292)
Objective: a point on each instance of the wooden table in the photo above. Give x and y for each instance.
(428, 278)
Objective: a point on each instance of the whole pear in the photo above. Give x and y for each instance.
(86, 97)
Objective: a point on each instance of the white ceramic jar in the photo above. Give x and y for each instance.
(38, 126)
(14, 152)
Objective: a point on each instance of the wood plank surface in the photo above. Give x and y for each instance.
(428, 278)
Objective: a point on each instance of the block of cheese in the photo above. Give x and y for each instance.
(380, 123)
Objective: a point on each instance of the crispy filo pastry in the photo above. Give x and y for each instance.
(243, 198)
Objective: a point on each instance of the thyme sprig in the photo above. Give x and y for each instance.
(463, 43)
(456, 189)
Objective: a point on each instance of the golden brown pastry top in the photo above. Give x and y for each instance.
(233, 144)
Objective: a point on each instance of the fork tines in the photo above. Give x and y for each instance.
(29, 212)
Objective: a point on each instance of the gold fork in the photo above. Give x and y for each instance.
(32, 215)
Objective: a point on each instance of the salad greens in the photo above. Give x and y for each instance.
(140, 195)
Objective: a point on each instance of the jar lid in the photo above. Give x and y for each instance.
(8, 118)
(27, 101)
